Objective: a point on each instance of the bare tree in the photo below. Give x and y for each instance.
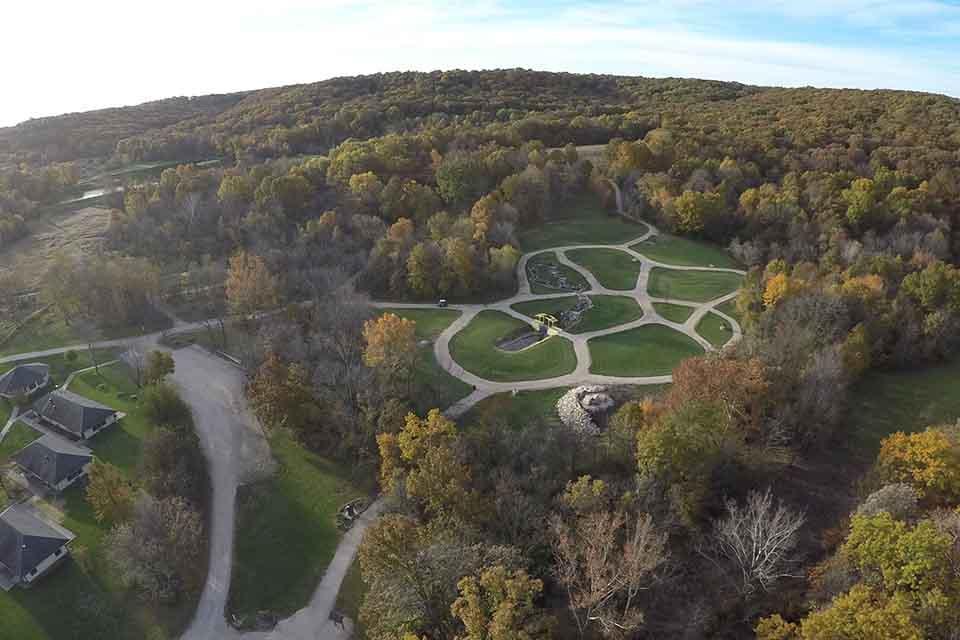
(136, 360)
(757, 540)
(604, 561)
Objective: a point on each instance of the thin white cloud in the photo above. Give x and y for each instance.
(105, 52)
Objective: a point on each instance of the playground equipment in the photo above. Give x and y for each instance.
(545, 323)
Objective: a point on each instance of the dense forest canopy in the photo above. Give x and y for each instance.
(843, 205)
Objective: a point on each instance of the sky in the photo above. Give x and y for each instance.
(75, 55)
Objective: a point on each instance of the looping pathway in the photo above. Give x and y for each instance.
(581, 374)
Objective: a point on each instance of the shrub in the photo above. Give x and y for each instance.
(898, 499)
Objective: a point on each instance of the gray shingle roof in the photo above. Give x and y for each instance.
(26, 540)
(22, 377)
(52, 459)
(73, 412)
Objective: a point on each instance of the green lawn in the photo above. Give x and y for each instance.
(286, 531)
(887, 401)
(684, 252)
(83, 600)
(614, 269)
(5, 409)
(430, 322)
(61, 366)
(715, 329)
(607, 311)
(696, 286)
(48, 331)
(574, 278)
(474, 347)
(581, 221)
(651, 350)
(673, 312)
(435, 387)
(730, 308)
(122, 443)
(518, 409)
(20, 435)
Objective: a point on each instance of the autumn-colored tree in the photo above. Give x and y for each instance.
(390, 347)
(250, 286)
(499, 604)
(109, 493)
(159, 365)
(424, 267)
(695, 210)
(604, 560)
(776, 289)
(740, 385)
(928, 460)
(411, 572)
(281, 394)
(424, 460)
(862, 614)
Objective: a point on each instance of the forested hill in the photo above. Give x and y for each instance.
(512, 106)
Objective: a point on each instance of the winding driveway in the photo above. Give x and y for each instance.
(238, 452)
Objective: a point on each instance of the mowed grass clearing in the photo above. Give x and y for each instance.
(606, 312)
(475, 349)
(673, 312)
(614, 269)
(696, 286)
(574, 278)
(884, 402)
(650, 350)
(435, 387)
(286, 531)
(583, 220)
(715, 329)
(684, 252)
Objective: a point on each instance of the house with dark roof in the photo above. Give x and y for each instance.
(75, 415)
(54, 461)
(30, 546)
(24, 379)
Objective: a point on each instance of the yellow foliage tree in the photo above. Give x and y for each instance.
(109, 493)
(250, 286)
(776, 290)
(390, 346)
(928, 460)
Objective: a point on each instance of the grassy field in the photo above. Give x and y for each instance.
(696, 286)
(436, 387)
(83, 600)
(286, 530)
(574, 278)
(715, 329)
(518, 409)
(607, 311)
(730, 308)
(49, 331)
(673, 312)
(430, 322)
(684, 252)
(20, 435)
(651, 350)
(61, 366)
(887, 401)
(475, 349)
(614, 269)
(581, 221)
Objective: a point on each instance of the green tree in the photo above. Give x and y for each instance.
(160, 364)
(109, 493)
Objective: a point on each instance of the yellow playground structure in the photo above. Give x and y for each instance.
(545, 321)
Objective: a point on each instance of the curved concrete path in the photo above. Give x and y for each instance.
(580, 341)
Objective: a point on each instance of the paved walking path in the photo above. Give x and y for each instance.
(234, 445)
(581, 375)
